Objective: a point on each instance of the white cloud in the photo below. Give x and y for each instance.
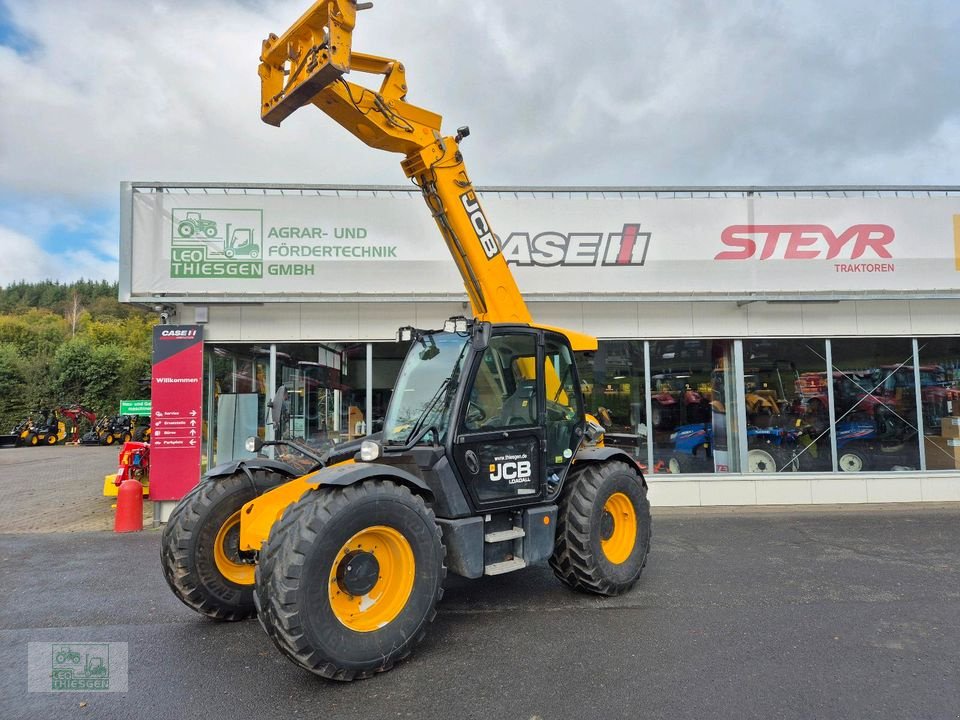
(24, 259)
(622, 93)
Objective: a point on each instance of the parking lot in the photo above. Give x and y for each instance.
(755, 613)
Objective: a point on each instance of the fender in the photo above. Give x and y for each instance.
(351, 473)
(248, 465)
(258, 516)
(603, 454)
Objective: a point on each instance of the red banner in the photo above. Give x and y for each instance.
(177, 410)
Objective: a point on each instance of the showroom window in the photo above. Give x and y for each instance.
(939, 371)
(875, 405)
(614, 391)
(785, 399)
(693, 406)
(327, 395)
(807, 405)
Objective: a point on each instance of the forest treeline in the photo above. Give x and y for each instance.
(68, 344)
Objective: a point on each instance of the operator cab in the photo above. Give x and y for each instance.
(500, 401)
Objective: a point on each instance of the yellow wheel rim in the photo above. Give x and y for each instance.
(620, 523)
(226, 549)
(371, 578)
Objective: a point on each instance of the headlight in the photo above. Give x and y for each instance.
(251, 444)
(673, 436)
(369, 451)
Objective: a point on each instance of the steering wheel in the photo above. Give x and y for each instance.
(475, 413)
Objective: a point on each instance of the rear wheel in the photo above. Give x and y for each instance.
(200, 550)
(603, 529)
(350, 578)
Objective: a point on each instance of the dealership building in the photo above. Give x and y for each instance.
(756, 345)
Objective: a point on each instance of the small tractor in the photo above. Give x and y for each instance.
(487, 462)
(193, 224)
(43, 428)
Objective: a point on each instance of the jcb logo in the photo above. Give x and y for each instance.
(511, 471)
(488, 240)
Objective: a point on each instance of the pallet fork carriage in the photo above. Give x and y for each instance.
(487, 462)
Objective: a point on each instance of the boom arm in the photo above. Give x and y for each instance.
(306, 66)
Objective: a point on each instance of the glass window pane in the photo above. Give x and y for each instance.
(788, 426)
(613, 386)
(693, 406)
(940, 401)
(562, 402)
(504, 392)
(875, 405)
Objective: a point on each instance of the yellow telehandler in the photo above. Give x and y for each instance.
(487, 462)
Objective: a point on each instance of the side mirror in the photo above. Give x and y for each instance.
(276, 405)
(480, 336)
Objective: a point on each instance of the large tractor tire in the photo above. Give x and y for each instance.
(603, 529)
(350, 578)
(200, 549)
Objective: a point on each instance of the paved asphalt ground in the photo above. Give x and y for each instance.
(741, 613)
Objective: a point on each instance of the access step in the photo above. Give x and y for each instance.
(504, 567)
(501, 535)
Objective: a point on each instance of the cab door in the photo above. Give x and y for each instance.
(498, 448)
(563, 420)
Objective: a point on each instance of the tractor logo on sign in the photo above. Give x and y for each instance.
(216, 243)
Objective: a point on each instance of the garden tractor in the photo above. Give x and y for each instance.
(17, 435)
(486, 464)
(45, 428)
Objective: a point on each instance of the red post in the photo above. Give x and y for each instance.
(129, 517)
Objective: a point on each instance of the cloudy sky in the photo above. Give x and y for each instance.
(622, 92)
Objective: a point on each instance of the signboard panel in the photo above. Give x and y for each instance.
(135, 407)
(359, 247)
(177, 422)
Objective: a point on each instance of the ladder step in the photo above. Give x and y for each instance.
(504, 567)
(501, 535)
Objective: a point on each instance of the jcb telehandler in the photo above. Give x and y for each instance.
(487, 462)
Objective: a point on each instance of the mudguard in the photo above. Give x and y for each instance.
(602, 454)
(258, 516)
(251, 464)
(352, 473)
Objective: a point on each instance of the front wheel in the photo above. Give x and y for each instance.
(760, 460)
(852, 460)
(200, 549)
(603, 529)
(350, 578)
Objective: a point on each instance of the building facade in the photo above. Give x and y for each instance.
(757, 345)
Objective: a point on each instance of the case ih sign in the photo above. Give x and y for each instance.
(177, 402)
